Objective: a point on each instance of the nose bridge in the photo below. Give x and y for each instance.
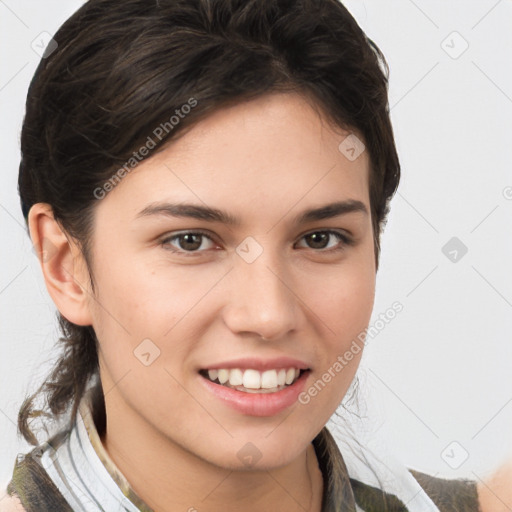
(261, 300)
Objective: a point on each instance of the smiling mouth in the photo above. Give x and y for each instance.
(254, 381)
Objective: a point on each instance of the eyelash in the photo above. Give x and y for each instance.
(346, 241)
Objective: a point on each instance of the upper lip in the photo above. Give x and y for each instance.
(259, 364)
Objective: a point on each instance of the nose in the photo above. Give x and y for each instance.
(261, 299)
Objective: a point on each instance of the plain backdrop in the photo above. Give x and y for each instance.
(438, 376)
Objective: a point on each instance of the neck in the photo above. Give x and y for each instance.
(180, 480)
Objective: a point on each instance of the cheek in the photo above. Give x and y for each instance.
(150, 299)
(170, 308)
(344, 306)
(344, 299)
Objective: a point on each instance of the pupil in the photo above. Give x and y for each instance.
(320, 238)
(190, 236)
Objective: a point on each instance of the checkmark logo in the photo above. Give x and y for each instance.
(249, 249)
(249, 454)
(351, 147)
(454, 249)
(44, 45)
(455, 455)
(454, 45)
(146, 352)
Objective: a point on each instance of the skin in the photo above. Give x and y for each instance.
(264, 161)
(196, 312)
(495, 493)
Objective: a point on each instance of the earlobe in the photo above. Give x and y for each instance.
(64, 269)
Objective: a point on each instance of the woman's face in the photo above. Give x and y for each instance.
(168, 308)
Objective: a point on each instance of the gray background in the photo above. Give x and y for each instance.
(437, 378)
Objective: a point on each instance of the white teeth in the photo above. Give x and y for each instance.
(269, 379)
(223, 376)
(253, 379)
(235, 377)
(290, 375)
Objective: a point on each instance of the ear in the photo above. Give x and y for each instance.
(63, 265)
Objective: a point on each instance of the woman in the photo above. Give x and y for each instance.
(206, 184)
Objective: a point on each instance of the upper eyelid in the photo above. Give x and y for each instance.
(175, 234)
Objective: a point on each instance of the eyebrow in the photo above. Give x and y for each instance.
(209, 214)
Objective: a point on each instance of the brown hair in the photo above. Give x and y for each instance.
(122, 69)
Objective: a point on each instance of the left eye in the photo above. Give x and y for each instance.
(319, 239)
(191, 241)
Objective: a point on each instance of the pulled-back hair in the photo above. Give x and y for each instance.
(121, 69)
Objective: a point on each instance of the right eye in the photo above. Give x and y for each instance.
(188, 242)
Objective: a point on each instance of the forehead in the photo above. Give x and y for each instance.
(264, 155)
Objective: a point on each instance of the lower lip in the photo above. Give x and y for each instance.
(258, 404)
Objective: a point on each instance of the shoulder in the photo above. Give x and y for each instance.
(495, 492)
(10, 503)
(32, 488)
(449, 495)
